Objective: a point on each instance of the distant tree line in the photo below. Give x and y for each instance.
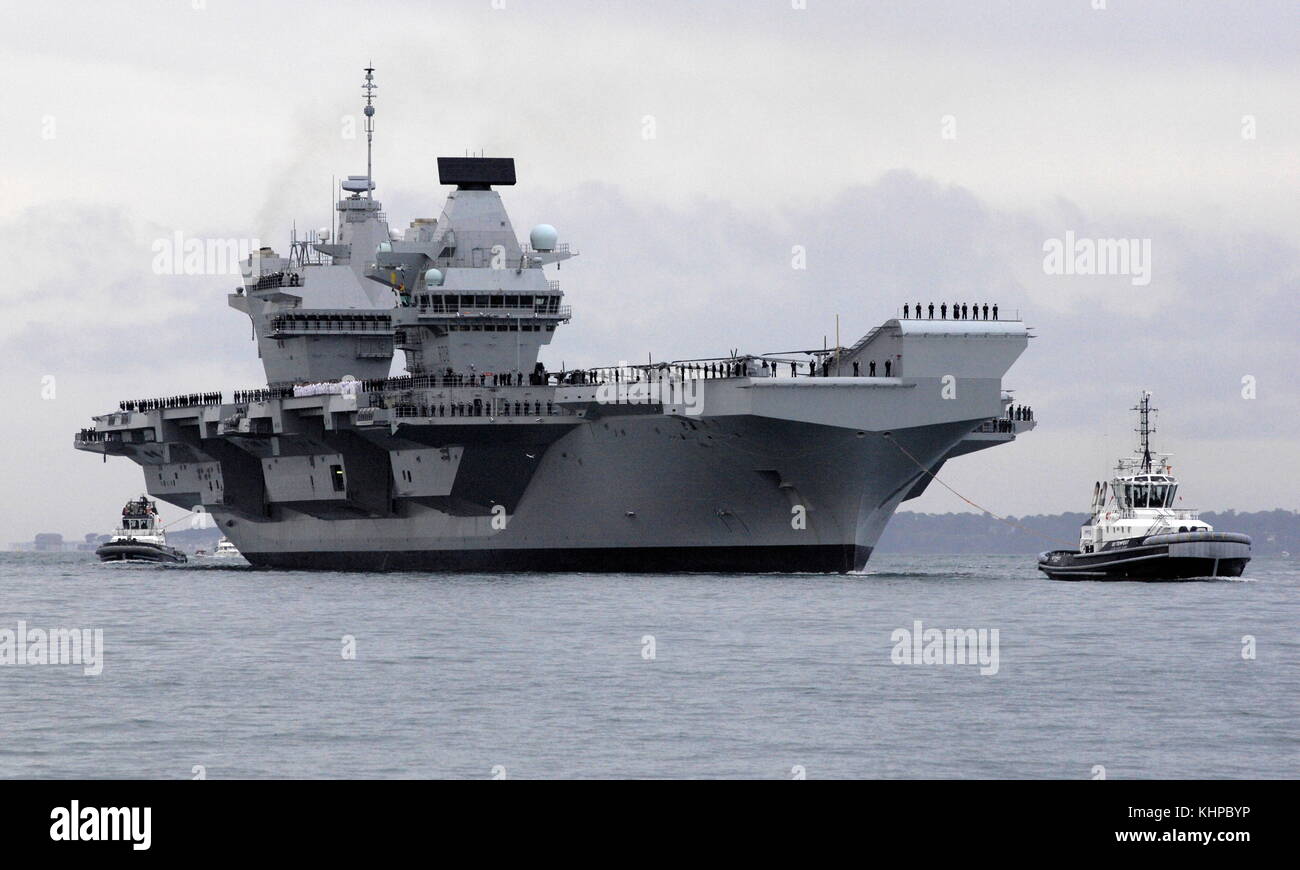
(1274, 532)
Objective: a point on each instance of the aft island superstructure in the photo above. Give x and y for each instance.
(480, 457)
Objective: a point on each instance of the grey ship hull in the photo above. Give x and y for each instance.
(644, 494)
(758, 475)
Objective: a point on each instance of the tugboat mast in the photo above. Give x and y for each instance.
(1144, 429)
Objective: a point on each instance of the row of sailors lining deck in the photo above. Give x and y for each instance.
(1007, 423)
(960, 311)
(350, 322)
(476, 408)
(707, 369)
(188, 400)
(750, 367)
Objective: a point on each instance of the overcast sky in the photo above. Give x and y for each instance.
(916, 150)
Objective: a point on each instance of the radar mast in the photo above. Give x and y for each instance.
(1144, 429)
(369, 88)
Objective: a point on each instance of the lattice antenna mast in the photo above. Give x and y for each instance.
(1144, 429)
(369, 88)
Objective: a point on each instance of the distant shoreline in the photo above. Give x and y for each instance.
(1275, 532)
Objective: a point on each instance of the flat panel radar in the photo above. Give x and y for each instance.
(476, 173)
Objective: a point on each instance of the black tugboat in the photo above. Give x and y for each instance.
(140, 538)
(1136, 533)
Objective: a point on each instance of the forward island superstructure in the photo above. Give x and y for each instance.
(479, 457)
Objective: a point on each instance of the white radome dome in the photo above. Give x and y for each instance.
(543, 237)
(323, 234)
(433, 278)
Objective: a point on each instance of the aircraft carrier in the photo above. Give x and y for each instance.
(479, 457)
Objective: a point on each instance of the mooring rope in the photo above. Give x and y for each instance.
(185, 516)
(890, 438)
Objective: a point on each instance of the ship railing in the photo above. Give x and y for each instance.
(94, 436)
(997, 425)
(164, 403)
(488, 408)
(289, 324)
(275, 280)
(1170, 513)
(562, 248)
(455, 385)
(476, 381)
(914, 314)
(563, 312)
(714, 368)
(264, 394)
